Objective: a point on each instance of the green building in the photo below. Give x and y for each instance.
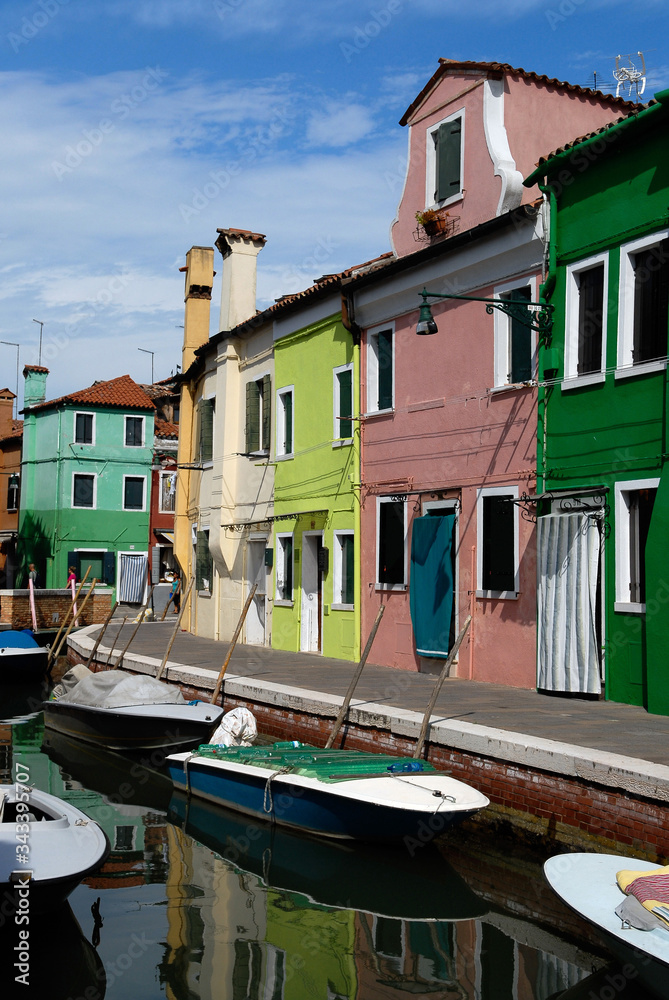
(603, 525)
(85, 483)
(316, 511)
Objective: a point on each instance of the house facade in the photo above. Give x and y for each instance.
(11, 436)
(448, 422)
(604, 518)
(85, 482)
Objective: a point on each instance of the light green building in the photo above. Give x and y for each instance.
(85, 483)
(316, 507)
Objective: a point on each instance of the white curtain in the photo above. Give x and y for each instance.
(567, 561)
(133, 570)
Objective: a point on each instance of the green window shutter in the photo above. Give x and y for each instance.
(345, 388)
(347, 557)
(391, 542)
(521, 341)
(498, 544)
(203, 563)
(590, 319)
(266, 412)
(252, 417)
(448, 139)
(288, 422)
(385, 359)
(206, 412)
(651, 303)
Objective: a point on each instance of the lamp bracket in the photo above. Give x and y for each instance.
(537, 316)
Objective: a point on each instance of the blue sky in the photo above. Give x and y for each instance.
(133, 129)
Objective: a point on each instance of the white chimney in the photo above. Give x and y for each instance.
(239, 249)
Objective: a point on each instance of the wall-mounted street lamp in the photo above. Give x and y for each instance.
(536, 315)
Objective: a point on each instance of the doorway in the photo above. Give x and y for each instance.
(256, 573)
(311, 619)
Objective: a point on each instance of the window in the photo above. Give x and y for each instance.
(514, 341)
(380, 370)
(258, 415)
(634, 509)
(284, 421)
(84, 427)
(391, 543)
(206, 409)
(343, 402)
(133, 493)
(644, 302)
(497, 548)
(585, 342)
(344, 570)
(83, 490)
(444, 160)
(284, 568)
(13, 488)
(134, 432)
(168, 492)
(204, 564)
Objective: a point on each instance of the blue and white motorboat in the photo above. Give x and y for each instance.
(333, 793)
(21, 656)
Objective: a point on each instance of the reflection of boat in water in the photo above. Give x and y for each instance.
(587, 884)
(112, 774)
(63, 963)
(382, 880)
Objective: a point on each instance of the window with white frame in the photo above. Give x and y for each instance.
(284, 421)
(84, 489)
(444, 160)
(585, 336)
(634, 509)
(515, 341)
(84, 428)
(643, 312)
(380, 369)
(134, 432)
(497, 542)
(284, 568)
(206, 409)
(343, 402)
(168, 492)
(13, 491)
(344, 570)
(391, 547)
(133, 492)
(258, 415)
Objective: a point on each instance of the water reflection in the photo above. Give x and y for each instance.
(197, 903)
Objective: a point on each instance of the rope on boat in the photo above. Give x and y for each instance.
(186, 771)
(268, 801)
(442, 796)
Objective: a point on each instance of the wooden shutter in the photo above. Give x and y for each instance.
(287, 400)
(651, 303)
(448, 141)
(391, 542)
(498, 544)
(385, 362)
(203, 560)
(206, 413)
(345, 380)
(109, 564)
(266, 412)
(590, 317)
(252, 417)
(155, 564)
(521, 341)
(347, 558)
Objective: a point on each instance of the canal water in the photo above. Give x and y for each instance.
(195, 903)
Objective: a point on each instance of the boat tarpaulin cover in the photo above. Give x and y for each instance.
(114, 689)
(17, 640)
(431, 590)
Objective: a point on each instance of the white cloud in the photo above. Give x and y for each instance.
(340, 125)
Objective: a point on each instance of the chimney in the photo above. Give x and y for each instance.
(7, 398)
(199, 271)
(239, 249)
(35, 385)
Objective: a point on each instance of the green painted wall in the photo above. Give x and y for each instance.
(319, 479)
(49, 526)
(607, 193)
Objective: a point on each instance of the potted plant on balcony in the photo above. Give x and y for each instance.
(432, 222)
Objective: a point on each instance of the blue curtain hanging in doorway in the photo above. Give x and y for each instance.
(431, 584)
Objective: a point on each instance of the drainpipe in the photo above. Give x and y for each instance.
(546, 290)
(349, 323)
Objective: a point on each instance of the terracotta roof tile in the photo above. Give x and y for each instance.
(165, 429)
(497, 70)
(15, 432)
(35, 368)
(122, 393)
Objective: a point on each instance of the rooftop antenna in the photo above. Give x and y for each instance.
(151, 353)
(41, 327)
(630, 77)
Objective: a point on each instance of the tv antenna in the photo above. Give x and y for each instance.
(630, 77)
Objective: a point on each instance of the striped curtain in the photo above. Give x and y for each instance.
(567, 562)
(132, 578)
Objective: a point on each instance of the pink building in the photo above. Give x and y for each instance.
(450, 421)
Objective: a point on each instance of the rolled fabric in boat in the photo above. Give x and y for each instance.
(651, 888)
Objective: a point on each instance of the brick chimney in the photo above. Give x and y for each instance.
(35, 385)
(239, 249)
(199, 271)
(7, 398)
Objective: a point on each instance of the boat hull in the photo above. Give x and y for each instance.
(145, 727)
(361, 809)
(22, 664)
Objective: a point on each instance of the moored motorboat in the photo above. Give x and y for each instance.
(333, 793)
(123, 711)
(21, 656)
(47, 847)
(587, 884)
